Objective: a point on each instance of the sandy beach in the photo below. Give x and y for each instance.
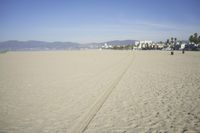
(95, 91)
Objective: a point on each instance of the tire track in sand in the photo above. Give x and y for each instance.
(82, 124)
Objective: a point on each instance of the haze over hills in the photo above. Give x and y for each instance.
(15, 45)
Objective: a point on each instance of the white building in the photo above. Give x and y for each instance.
(105, 46)
(182, 46)
(159, 45)
(143, 44)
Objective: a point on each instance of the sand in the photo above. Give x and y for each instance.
(100, 91)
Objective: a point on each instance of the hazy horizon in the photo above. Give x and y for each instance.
(98, 21)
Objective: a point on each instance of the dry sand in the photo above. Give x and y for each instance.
(60, 91)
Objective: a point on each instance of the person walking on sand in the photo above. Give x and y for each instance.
(172, 51)
(183, 51)
(172, 48)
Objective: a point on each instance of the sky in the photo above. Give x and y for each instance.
(87, 21)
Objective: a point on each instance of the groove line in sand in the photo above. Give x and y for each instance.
(87, 117)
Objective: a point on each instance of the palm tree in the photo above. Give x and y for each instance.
(195, 39)
(172, 39)
(195, 35)
(172, 43)
(167, 42)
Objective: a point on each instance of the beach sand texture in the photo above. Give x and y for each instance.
(55, 91)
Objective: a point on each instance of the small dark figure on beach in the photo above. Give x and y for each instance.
(183, 51)
(172, 52)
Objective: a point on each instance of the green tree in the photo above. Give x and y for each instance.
(175, 39)
(191, 39)
(172, 39)
(195, 35)
(194, 38)
(167, 41)
(199, 40)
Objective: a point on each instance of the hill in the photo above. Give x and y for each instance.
(15, 45)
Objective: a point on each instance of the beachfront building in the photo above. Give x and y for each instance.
(182, 46)
(159, 46)
(144, 44)
(106, 46)
(137, 43)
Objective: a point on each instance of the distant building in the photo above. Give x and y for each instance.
(159, 45)
(182, 46)
(143, 44)
(106, 46)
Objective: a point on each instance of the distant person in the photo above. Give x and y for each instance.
(183, 51)
(172, 50)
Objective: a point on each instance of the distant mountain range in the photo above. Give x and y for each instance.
(14, 45)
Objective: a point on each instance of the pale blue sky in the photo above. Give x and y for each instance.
(98, 20)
